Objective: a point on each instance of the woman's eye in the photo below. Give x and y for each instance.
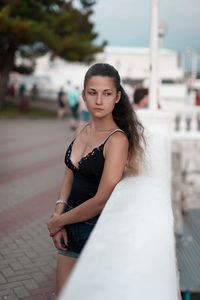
(107, 94)
(91, 93)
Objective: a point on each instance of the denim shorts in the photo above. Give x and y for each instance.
(78, 234)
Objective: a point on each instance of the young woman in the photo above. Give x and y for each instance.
(95, 162)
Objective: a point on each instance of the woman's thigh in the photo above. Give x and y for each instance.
(65, 265)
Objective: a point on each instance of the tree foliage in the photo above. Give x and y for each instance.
(32, 27)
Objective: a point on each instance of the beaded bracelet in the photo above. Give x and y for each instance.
(61, 201)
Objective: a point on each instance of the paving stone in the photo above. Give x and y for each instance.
(30, 284)
(3, 265)
(12, 246)
(16, 266)
(5, 251)
(2, 279)
(39, 277)
(35, 265)
(5, 292)
(19, 241)
(24, 259)
(26, 271)
(21, 292)
(37, 297)
(8, 272)
(10, 285)
(47, 270)
(19, 278)
(10, 297)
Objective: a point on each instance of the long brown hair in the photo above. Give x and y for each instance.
(124, 116)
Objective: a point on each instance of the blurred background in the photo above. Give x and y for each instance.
(45, 49)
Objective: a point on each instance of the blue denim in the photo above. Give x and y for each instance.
(78, 234)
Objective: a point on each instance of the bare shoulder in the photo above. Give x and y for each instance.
(118, 138)
(117, 141)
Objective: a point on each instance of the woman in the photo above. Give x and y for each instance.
(96, 161)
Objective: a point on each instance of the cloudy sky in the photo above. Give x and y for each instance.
(127, 22)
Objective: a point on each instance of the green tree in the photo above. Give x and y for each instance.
(30, 28)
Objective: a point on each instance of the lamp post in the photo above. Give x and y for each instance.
(194, 67)
(153, 91)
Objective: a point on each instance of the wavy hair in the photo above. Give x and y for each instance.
(124, 116)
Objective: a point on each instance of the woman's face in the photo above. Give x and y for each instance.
(100, 96)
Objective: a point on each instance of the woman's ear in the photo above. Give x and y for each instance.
(83, 95)
(118, 97)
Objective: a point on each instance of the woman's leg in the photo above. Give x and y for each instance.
(65, 265)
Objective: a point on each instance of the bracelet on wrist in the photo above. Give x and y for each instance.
(61, 201)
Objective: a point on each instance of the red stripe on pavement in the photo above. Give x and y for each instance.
(28, 210)
(23, 150)
(7, 177)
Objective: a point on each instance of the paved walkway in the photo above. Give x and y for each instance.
(31, 170)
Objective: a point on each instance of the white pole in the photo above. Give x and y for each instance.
(153, 91)
(194, 68)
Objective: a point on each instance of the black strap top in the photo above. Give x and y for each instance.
(87, 174)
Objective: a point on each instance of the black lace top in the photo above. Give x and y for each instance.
(87, 174)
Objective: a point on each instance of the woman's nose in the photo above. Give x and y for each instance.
(99, 99)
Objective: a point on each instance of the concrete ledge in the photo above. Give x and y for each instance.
(131, 253)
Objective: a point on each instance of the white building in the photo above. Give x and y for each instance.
(132, 63)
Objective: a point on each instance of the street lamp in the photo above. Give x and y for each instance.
(153, 90)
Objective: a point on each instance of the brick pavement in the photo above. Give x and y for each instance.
(31, 170)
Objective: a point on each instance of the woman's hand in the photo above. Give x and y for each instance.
(53, 224)
(58, 239)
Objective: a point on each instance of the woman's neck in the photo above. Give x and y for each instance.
(102, 125)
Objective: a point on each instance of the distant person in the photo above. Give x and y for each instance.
(197, 98)
(73, 100)
(84, 115)
(23, 104)
(61, 103)
(140, 98)
(34, 92)
(12, 90)
(197, 103)
(22, 89)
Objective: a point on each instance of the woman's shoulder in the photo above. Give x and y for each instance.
(117, 138)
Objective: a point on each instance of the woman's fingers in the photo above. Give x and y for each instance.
(58, 240)
(58, 244)
(54, 230)
(65, 238)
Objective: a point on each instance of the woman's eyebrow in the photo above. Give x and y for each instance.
(93, 89)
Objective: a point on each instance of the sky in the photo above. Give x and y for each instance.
(127, 23)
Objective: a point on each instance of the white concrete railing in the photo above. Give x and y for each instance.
(131, 252)
(187, 120)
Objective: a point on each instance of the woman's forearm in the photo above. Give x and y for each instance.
(86, 210)
(64, 191)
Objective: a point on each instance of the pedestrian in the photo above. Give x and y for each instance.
(96, 160)
(84, 114)
(197, 98)
(140, 98)
(73, 99)
(34, 92)
(61, 103)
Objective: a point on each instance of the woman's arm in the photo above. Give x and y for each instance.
(65, 190)
(116, 153)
